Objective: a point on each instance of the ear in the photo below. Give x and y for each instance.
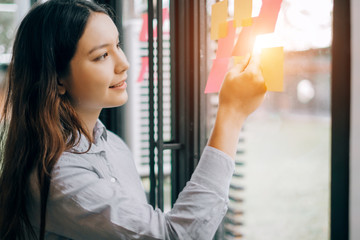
(61, 86)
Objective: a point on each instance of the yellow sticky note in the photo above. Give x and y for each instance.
(246, 22)
(242, 12)
(272, 65)
(219, 15)
(223, 30)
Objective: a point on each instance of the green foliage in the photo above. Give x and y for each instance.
(6, 29)
(6, 1)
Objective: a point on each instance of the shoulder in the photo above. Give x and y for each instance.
(115, 141)
(73, 160)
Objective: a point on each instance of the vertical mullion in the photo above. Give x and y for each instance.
(160, 200)
(177, 117)
(196, 82)
(340, 120)
(202, 59)
(151, 102)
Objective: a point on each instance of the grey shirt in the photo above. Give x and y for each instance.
(99, 195)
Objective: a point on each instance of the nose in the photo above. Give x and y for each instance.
(121, 64)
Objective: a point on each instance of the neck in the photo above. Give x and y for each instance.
(89, 118)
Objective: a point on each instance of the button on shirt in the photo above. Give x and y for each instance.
(99, 195)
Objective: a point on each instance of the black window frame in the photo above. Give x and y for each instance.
(340, 127)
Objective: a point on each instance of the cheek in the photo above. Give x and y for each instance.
(90, 82)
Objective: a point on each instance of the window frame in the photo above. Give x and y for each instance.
(188, 76)
(340, 115)
(354, 200)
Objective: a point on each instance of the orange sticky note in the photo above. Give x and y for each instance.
(223, 30)
(242, 12)
(272, 65)
(247, 22)
(217, 74)
(219, 15)
(225, 45)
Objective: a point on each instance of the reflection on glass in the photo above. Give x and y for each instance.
(280, 189)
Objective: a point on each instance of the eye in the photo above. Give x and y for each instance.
(102, 57)
(118, 45)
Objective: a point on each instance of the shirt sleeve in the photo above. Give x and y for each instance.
(83, 206)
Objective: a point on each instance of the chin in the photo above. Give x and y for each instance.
(119, 101)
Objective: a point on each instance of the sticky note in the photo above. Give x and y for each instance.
(269, 12)
(166, 16)
(144, 29)
(217, 75)
(242, 11)
(272, 66)
(246, 22)
(245, 42)
(223, 30)
(225, 45)
(219, 15)
(144, 68)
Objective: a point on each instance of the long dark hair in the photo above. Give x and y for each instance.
(38, 123)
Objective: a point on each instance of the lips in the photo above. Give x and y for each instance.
(118, 84)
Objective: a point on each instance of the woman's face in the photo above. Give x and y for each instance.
(98, 68)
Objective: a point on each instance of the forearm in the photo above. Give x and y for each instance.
(226, 131)
(241, 93)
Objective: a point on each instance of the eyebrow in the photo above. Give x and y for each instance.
(102, 45)
(98, 47)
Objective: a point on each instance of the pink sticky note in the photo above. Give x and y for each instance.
(144, 68)
(268, 16)
(245, 42)
(264, 23)
(166, 16)
(225, 45)
(144, 29)
(217, 74)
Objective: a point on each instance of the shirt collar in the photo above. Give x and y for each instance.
(99, 131)
(99, 134)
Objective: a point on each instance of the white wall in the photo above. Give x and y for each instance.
(355, 123)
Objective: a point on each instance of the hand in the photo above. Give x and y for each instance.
(241, 93)
(243, 89)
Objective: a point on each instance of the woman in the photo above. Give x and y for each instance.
(64, 176)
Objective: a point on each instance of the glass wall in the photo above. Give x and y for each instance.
(280, 189)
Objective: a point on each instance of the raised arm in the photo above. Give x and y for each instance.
(241, 93)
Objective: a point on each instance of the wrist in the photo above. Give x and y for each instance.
(226, 131)
(230, 118)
